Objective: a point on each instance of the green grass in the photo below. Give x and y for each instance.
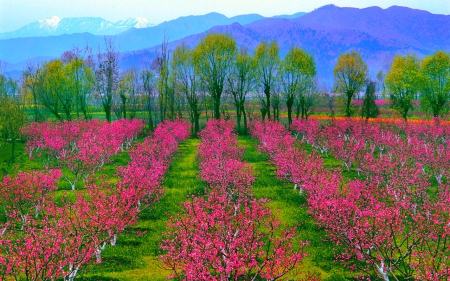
(292, 211)
(135, 257)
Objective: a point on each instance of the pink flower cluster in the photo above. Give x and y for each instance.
(220, 158)
(290, 159)
(227, 234)
(46, 237)
(82, 147)
(392, 222)
(150, 161)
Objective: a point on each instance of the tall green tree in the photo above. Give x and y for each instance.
(148, 84)
(80, 80)
(12, 118)
(403, 82)
(435, 89)
(350, 74)
(240, 82)
(297, 71)
(166, 98)
(31, 87)
(128, 94)
(306, 102)
(214, 56)
(268, 60)
(186, 75)
(369, 108)
(55, 91)
(8, 87)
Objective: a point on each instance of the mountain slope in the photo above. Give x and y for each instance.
(58, 26)
(135, 39)
(378, 34)
(18, 49)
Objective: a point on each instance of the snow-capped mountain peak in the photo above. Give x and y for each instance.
(51, 22)
(142, 23)
(94, 25)
(133, 22)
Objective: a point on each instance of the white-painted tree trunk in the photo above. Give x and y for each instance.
(383, 272)
(72, 273)
(114, 240)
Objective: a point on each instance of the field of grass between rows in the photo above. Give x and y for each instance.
(135, 256)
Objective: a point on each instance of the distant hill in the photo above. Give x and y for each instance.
(19, 49)
(296, 15)
(58, 26)
(135, 39)
(378, 34)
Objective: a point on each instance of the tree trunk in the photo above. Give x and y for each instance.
(349, 100)
(263, 113)
(124, 106)
(289, 103)
(303, 106)
(267, 93)
(196, 122)
(245, 119)
(150, 120)
(108, 114)
(238, 118)
(67, 112)
(13, 149)
(36, 111)
(276, 112)
(217, 107)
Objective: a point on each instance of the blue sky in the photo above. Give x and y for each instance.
(16, 13)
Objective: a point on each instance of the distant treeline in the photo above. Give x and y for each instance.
(213, 80)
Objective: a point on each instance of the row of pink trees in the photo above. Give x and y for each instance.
(45, 236)
(227, 234)
(393, 223)
(79, 147)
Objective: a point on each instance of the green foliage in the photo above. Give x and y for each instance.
(268, 61)
(186, 78)
(335, 278)
(369, 108)
(297, 71)
(61, 87)
(350, 74)
(213, 56)
(8, 87)
(435, 89)
(403, 82)
(80, 83)
(240, 83)
(12, 118)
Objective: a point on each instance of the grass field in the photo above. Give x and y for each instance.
(135, 256)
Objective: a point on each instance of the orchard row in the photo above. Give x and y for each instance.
(45, 234)
(393, 219)
(389, 219)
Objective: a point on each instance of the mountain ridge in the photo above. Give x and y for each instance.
(60, 26)
(329, 31)
(378, 34)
